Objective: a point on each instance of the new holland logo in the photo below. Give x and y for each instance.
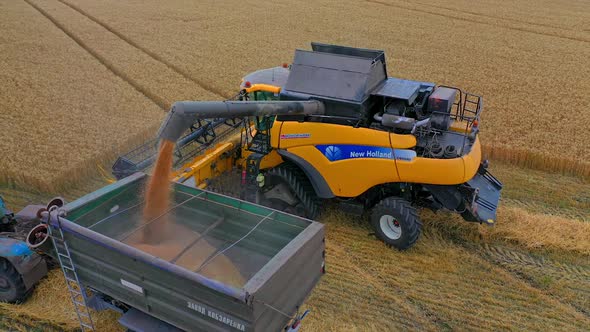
(349, 151)
(333, 153)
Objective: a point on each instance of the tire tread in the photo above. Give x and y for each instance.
(301, 186)
(8, 271)
(406, 214)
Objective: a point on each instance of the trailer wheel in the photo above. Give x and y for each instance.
(12, 287)
(396, 222)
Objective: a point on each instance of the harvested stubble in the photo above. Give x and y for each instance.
(533, 69)
(436, 285)
(459, 276)
(538, 211)
(51, 305)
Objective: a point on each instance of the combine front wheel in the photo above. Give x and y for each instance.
(396, 222)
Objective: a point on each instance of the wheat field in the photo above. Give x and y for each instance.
(61, 110)
(532, 69)
(83, 80)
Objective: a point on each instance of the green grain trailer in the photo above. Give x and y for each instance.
(279, 256)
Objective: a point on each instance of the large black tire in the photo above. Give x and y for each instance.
(396, 222)
(12, 287)
(300, 186)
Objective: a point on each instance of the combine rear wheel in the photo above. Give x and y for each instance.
(396, 222)
(287, 189)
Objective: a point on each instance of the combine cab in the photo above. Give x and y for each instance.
(333, 127)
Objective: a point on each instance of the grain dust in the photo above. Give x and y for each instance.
(171, 241)
(157, 196)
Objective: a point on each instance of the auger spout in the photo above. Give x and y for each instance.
(184, 113)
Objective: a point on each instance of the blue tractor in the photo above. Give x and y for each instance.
(20, 267)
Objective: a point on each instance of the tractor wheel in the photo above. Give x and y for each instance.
(12, 287)
(288, 189)
(396, 222)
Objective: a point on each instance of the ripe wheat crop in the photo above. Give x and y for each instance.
(530, 60)
(61, 111)
(541, 231)
(109, 66)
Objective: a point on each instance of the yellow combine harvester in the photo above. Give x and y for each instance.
(332, 127)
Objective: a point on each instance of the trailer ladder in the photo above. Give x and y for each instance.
(77, 291)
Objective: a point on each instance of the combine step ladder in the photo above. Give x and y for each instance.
(77, 291)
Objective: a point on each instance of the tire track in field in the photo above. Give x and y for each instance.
(574, 280)
(544, 25)
(134, 84)
(151, 54)
(465, 19)
(570, 213)
(466, 289)
(373, 299)
(510, 257)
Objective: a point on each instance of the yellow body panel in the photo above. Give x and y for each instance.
(326, 133)
(350, 177)
(263, 87)
(432, 171)
(472, 160)
(459, 127)
(347, 177)
(441, 171)
(272, 159)
(210, 164)
(274, 134)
